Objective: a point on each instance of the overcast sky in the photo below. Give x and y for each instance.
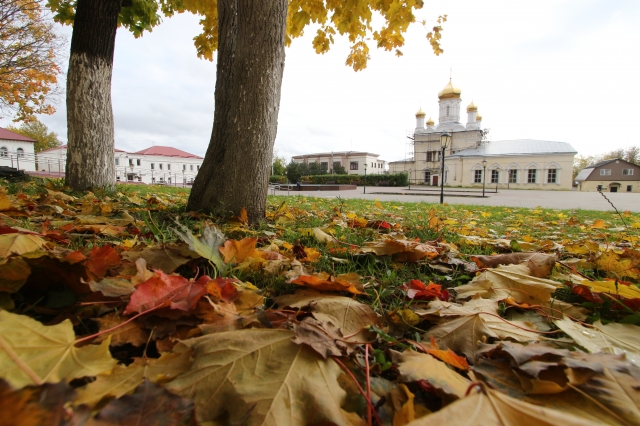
(562, 70)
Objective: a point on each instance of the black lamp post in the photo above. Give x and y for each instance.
(365, 177)
(445, 138)
(484, 175)
(409, 178)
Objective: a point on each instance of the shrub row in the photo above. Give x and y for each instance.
(399, 179)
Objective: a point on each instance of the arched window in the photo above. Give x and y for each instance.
(447, 110)
(4, 152)
(20, 152)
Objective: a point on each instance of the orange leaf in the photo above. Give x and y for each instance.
(450, 358)
(599, 223)
(323, 281)
(238, 251)
(101, 259)
(244, 217)
(312, 254)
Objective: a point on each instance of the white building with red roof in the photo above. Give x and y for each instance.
(16, 151)
(163, 165)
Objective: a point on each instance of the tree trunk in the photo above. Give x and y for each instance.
(235, 171)
(90, 160)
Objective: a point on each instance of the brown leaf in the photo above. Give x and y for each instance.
(34, 405)
(323, 281)
(309, 332)
(349, 316)
(14, 272)
(150, 405)
(128, 333)
(224, 387)
(414, 366)
(490, 407)
(167, 257)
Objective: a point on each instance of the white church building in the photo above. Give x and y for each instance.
(470, 159)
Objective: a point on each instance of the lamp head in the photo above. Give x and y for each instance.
(484, 163)
(444, 139)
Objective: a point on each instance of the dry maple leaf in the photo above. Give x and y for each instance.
(32, 353)
(207, 245)
(323, 281)
(511, 281)
(295, 385)
(149, 405)
(490, 407)
(237, 251)
(167, 290)
(123, 379)
(19, 244)
(414, 366)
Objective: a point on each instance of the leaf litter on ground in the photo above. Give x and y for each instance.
(350, 312)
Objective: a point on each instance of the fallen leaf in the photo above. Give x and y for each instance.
(149, 405)
(490, 407)
(323, 281)
(237, 251)
(14, 272)
(19, 244)
(509, 281)
(167, 257)
(207, 245)
(414, 366)
(127, 333)
(222, 383)
(32, 352)
(167, 290)
(123, 379)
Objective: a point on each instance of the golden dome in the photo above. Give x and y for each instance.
(449, 92)
(472, 107)
(430, 122)
(421, 113)
(478, 117)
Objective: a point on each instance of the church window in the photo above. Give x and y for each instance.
(160, 165)
(432, 155)
(477, 176)
(117, 160)
(447, 110)
(627, 172)
(605, 172)
(353, 165)
(153, 166)
(513, 176)
(191, 167)
(427, 176)
(169, 167)
(131, 161)
(552, 176)
(184, 167)
(531, 175)
(20, 152)
(495, 176)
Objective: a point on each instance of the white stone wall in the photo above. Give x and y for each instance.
(462, 171)
(18, 154)
(374, 164)
(156, 169)
(52, 160)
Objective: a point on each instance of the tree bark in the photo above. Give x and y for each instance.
(235, 170)
(90, 159)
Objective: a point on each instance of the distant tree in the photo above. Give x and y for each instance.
(315, 168)
(38, 131)
(339, 168)
(293, 171)
(279, 164)
(29, 51)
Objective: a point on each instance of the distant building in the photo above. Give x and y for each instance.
(524, 163)
(154, 165)
(16, 151)
(353, 161)
(614, 175)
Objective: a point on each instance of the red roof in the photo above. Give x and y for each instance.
(166, 151)
(13, 136)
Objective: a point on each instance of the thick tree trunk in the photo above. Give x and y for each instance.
(235, 171)
(90, 160)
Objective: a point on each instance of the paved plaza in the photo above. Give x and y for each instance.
(565, 200)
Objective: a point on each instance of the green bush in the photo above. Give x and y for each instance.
(277, 179)
(398, 179)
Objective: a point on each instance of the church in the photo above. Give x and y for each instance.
(471, 160)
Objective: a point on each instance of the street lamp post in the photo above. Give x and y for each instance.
(365, 177)
(484, 175)
(445, 138)
(409, 178)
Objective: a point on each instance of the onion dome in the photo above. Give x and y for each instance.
(430, 122)
(420, 113)
(449, 91)
(472, 107)
(478, 117)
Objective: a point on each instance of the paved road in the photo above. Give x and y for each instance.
(507, 197)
